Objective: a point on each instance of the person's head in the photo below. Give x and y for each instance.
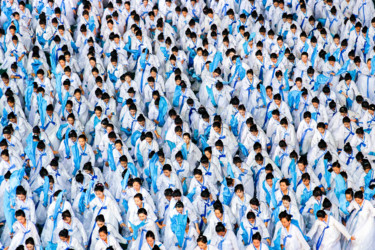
(98, 111)
(136, 184)
(306, 179)
(167, 169)
(317, 193)
(20, 216)
(254, 203)
(257, 240)
(66, 216)
(239, 190)
(202, 242)
(321, 215)
(302, 164)
(259, 159)
(321, 127)
(251, 217)
(286, 201)
(100, 220)
(284, 184)
(138, 199)
(21, 193)
(286, 219)
(179, 207)
(220, 229)
(358, 197)
(64, 235)
(149, 137)
(142, 214)
(198, 175)
(99, 190)
(336, 167)
(30, 243)
(103, 233)
(349, 194)
(150, 238)
(5, 155)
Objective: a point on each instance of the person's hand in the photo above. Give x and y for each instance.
(204, 220)
(106, 164)
(131, 229)
(160, 225)
(352, 238)
(106, 185)
(123, 225)
(311, 211)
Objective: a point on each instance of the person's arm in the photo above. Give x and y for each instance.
(157, 134)
(313, 230)
(32, 211)
(301, 240)
(234, 241)
(342, 229)
(116, 213)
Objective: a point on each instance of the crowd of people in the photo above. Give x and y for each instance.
(187, 124)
